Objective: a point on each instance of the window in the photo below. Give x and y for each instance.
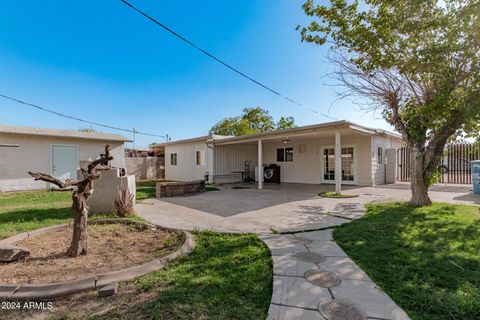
(173, 159)
(285, 155)
(380, 155)
(198, 158)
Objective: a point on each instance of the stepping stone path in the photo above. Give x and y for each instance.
(337, 310)
(322, 278)
(300, 240)
(310, 257)
(315, 280)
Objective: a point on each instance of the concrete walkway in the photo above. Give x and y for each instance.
(313, 277)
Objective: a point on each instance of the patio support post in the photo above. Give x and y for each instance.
(338, 162)
(260, 164)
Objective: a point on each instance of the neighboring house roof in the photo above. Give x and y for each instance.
(325, 125)
(62, 133)
(214, 137)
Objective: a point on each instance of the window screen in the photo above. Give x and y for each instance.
(285, 155)
(288, 154)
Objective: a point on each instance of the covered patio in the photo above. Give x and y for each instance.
(337, 153)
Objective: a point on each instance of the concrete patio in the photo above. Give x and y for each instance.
(284, 207)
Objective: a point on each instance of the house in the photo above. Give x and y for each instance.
(309, 154)
(57, 152)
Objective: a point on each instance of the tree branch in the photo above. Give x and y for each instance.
(48, 178)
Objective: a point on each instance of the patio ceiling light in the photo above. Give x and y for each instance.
(286, 141)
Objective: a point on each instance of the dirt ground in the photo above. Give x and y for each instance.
(112, 247)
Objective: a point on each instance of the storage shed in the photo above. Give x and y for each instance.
(57, 152)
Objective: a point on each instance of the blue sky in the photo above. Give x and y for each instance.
(102, 61)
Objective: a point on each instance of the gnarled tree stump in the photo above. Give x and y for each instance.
(81, 192)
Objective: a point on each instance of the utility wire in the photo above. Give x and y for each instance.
(222, 62)
(78, 119)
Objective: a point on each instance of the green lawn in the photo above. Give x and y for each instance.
(146, 189)
(25, 211)
(30, 210)
(228, 276)
(427, 259)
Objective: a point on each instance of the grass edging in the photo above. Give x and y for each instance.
(66, 288)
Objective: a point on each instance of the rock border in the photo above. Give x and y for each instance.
(63, 289)
(343, 196)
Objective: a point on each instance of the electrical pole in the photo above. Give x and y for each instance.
(134, 134)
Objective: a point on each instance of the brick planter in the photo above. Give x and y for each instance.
(177, 189)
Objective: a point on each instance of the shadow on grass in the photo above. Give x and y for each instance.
(22, 220)
(29, 215)
(426, 259)
(226, 277)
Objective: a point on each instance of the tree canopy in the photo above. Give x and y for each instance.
(418, 61)
(252, 120)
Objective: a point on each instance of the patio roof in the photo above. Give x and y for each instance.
(304, 130)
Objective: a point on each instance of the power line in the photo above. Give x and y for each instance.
(134, 131)
(222, 62)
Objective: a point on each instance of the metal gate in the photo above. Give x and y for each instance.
(455, 164)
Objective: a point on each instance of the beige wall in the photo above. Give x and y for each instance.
(34, 154)
(145, 168)
(186, 168)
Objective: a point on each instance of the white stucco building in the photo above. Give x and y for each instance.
(56, 152)
(338, 152)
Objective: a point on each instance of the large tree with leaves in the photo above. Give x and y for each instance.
(416, 60)
(253, 120)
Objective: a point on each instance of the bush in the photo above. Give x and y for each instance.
(124, 202)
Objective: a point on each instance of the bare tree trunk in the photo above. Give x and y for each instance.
(82, 190)
(79, 244)
(419, 178)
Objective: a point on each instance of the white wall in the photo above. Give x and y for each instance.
(186, 168)
(385, 142)
(34, 154)
(305, 167)
(232, 157)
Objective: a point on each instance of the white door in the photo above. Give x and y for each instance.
(349, 165)
(64, 162)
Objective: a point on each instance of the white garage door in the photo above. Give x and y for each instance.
(64, 162)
